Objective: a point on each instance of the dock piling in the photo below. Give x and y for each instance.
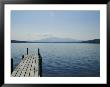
(40, 63)
(22, 56)
(40, 67)
(11, 65)
(38, 52)
(27, 51)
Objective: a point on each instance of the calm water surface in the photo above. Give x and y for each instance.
(62, 59)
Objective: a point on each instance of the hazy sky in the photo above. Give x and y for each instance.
(34, 25)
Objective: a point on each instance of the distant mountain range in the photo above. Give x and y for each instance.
(17, 41)
(57, 40)
(92, 41)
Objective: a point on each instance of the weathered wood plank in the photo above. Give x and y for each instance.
(18, 73)
(27, 74)
(14, 73)
(22, 74)
(28, 67)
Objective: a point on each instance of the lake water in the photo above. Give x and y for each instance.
(63, 59)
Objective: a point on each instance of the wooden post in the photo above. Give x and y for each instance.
(40, 63)
(38, 52)
(27, 51)
(40, 67)
(11, 65)
(22, 56)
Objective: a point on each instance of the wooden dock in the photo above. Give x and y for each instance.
(30, 66)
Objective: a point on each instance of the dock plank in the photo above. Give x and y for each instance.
(28, 67)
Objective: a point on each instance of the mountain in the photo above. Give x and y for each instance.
(55, 39)
(17, 41)
(92, 41)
